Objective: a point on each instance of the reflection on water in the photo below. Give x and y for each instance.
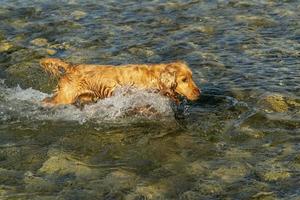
(239, 141)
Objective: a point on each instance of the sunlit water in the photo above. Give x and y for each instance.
(239, 141)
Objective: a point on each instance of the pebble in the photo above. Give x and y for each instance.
(5, 46)
(62, 46)
(205, 29)
(141, 51)
(77, 14)
(51, 51)
(40, 42)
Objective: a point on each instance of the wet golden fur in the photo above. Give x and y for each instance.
(87, 83)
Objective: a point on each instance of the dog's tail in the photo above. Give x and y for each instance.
(55, 66)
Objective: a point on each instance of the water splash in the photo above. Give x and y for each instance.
(127, 102)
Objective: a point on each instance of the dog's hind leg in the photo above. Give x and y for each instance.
(85, 98)
(69, 95)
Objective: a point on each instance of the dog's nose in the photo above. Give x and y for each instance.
(197, 92)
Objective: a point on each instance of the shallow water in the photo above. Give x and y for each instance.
(239, 141)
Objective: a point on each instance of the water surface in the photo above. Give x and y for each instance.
(239, 141)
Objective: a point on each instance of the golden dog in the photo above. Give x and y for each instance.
(87, 83)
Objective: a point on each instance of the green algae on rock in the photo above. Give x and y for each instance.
(274, 175)
(279, 103)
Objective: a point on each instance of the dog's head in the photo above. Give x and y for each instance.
(177, 77)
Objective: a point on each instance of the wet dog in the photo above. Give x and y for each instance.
(86, 83)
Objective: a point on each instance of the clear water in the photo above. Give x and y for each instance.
(239, 141)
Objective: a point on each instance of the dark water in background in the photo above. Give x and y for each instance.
(239, 141)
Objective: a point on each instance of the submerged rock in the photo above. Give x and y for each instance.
(197, 168)
(242, 4)
(141, 51)
(121, 180)
(285, 12)
(272, 170)
(237, 154)
(10, 177)
(275, 102)
(279, 103)
(275, 175)
(18, 39)
(231, 173)
(210, 188)
(264, 196)
(257, 21)
(5, 46)
(44, 51)
(247, 130)
(51, 51)
(153, 191)
(191, 195)
(38, 184)
(23, 74)
(78, 14)
(209, 30)
(294, 103)
(40, 42)
(19, 23)
(62, 46)
(64, 164)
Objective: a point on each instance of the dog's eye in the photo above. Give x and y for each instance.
(184, 79)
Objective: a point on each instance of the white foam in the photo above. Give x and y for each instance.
(127, 102)
(29, 94)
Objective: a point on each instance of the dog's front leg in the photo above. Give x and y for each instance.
(172, 95)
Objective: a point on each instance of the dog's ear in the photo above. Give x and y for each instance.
(168, 77)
